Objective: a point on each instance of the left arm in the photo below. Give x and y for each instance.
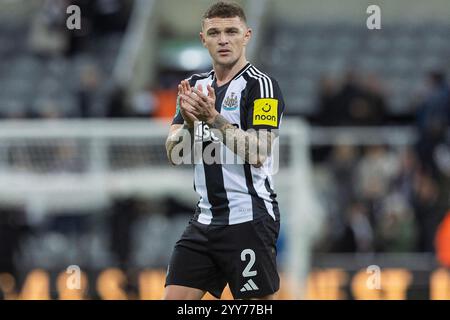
(253, 147)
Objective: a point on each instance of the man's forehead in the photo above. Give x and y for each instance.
(217, 22)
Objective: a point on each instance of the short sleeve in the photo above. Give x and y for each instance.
(265, 104)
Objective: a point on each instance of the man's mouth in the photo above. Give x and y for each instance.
(224, 51)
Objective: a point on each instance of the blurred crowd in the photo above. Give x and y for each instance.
(50, 36)
(382, 198)
(51, 71)
(356, 100)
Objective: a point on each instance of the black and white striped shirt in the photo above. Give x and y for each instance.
(237, 193)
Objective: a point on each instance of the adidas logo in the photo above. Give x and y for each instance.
(249, 286)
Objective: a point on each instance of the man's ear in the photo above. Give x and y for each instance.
(248, 36)
(202, 39)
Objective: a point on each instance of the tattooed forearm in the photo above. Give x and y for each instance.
(252, 147)
(176, 138)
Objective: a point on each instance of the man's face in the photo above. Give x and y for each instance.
(225, 39)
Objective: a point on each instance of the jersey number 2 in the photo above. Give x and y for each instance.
(247, 271)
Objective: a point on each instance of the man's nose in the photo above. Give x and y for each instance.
(223, 39)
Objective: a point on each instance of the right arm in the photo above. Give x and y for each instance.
(183, 124)
(177, 134)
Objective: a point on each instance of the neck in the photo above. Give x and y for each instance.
(225, 73)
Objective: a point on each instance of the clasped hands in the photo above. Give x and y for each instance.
(195, 105)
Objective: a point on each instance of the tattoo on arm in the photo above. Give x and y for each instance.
(176, 138)
(252, 147)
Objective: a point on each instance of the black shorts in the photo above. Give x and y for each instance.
(242, 255)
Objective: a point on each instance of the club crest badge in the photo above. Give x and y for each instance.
(231, 102)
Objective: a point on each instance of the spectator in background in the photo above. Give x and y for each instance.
(328, 111)
(430, 203)
(375, 97)
(433, 119)
(13, 227)
(337, 107)
(87, 92)
(343, 160)
(116, 106)
(403, 181)
(124, 213)
(356, 103)
(374, 174)
(396, 230)
(359, 234)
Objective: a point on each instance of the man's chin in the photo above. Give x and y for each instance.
(226, 61)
